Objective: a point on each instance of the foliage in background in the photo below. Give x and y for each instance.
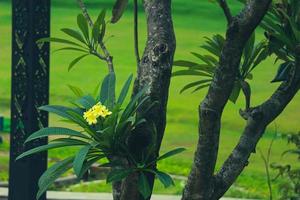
(282, 26)
(253, 55)
(290, 189)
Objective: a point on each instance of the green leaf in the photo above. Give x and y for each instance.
(248, 50)
(76, 90)
(107, 93)
(88, 164)
(164, 178)
(57, 40)
(143, 186)
(283, 72)
(47, 147)
(96, 28)
(235, 92)
(83, 25)
(193, 84)
(210, 60)
(70, 49)
(74, 34)
(57, 131)
(118, 174)
(71, 114)
(124, 90)
(51, 174)
(247, 92)
(171, 153)
(118, 10)
(190, 73)
(185, 63)
(76, 60)
(80, 158)
(195, 66)
(201, 87)
(86, 101)
(132, 105)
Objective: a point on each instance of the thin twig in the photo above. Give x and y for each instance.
(267, 163)
(136, 34)
(226, 10)
(85, 12)
(107, 57)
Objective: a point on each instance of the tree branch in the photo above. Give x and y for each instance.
(200, 184)
(85, 12)
(260, 117)
(223, 4)
(108, 58)
(136, 34)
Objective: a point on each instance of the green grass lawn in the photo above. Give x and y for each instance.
(192, 21)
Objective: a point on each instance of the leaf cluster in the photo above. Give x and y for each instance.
(104, 141)
(86, 40)
(290, 190)
(282, 29)
(253, 55)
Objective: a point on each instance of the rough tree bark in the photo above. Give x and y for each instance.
(258, 119)
(201, 182)
(154, 70)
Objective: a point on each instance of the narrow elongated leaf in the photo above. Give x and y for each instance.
(190, 73)
(235, 92)
(247, 92)
(74, 34)
(88, 164)
(58, 40)
(83, 25)
(193, 84)
(185, 63)
(76, 90)
(210, 60)
(171, 153)
(164, 178)
(124, 90)
(107, 94)
(80, 158)
(130, 106)
(71, 49)
(52, 174)
(248, 50)
(76, 60)
(200, 87)
(283, 72)
(97, 32)
(47, 147)
(65, 113)
(143, 186)
(118, 174)
(58, 131)
(86, 101)
(118, 10)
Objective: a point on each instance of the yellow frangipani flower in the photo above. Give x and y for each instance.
(90, 117)
(96, 111)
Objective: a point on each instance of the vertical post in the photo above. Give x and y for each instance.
(30, 89)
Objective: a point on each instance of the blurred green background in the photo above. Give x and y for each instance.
(193, 20)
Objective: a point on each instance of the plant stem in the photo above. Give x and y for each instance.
(108, 58)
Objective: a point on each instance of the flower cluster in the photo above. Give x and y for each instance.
(96, 111)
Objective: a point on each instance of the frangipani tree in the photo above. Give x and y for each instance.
(227, 71)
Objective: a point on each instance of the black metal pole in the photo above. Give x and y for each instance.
(30, 89)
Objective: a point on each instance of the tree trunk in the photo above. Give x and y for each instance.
(154, 70)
